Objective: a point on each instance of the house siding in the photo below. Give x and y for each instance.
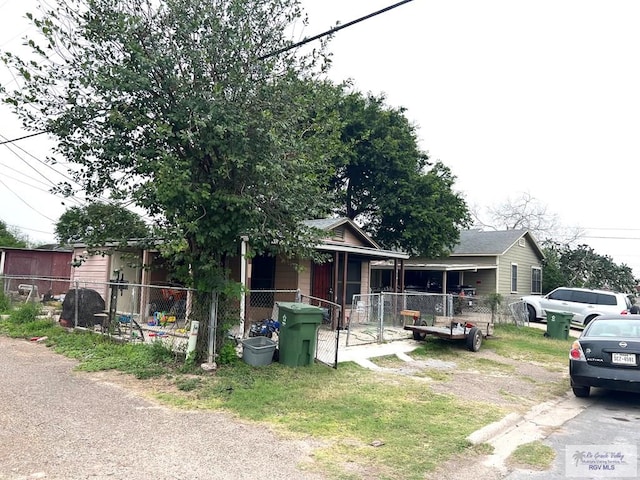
(524, 257)
(484, 281)
(93, 273)
(365, 276)
(304, 277)
(286, 276)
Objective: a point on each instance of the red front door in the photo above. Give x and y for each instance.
(321, 284)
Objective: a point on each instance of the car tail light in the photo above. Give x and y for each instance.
(624, 312)
(576, 352)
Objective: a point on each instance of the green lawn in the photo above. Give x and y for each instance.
(345, 409)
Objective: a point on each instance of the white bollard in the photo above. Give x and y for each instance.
(193, 337)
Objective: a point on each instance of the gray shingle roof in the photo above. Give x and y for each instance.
(477, 242)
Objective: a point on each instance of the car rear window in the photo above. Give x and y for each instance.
(604, 299)
(614, 328)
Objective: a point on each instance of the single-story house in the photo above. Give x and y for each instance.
(327, 283)
(43, 270)
(508, 262)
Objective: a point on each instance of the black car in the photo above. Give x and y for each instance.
(607, 355)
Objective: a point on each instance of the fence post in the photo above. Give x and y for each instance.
(381, 315)
(213, 325)
(75, 313)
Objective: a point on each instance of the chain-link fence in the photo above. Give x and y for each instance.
(145, 313)
(129, 312)
(381, 317)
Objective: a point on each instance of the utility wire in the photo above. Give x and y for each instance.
(39, 161)
(22, 138)
(331, 31)
(282, 50)
(23, 201)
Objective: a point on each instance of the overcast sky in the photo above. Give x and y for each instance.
(538, 97)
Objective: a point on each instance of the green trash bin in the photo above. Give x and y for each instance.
(298, 337)
(558, 324)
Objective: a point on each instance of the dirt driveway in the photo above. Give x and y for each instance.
(59, 424)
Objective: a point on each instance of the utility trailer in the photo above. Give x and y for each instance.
(471, 333)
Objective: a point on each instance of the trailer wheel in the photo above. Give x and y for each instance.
(474, 339)
(420, 335)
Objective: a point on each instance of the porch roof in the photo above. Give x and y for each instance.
(436, 267)
(363, 251)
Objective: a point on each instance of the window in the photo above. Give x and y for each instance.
(536, 280)
(263, 277)
(604, 299)
(514, 278)
(354, 278)
(561, 294)
(585, 297)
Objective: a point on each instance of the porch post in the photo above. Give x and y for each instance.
(344, 280)
(334, 289)
(395, 275)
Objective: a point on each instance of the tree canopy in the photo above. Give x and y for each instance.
(582, 267)
(168, 104)
(97, 223)
(386, 184)
(10, 237)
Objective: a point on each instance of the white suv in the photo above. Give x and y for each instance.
(585, 304)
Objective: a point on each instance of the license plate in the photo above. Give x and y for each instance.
(623, 358)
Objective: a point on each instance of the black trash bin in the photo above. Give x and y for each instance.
(298, 337)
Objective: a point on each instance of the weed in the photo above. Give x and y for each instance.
(187, 384)
(5, 303)
(27, 312)
(228, 355)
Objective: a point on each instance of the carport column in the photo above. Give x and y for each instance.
(344, 280)
(334, 289)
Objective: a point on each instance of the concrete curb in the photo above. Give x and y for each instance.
(494, 429)
(536, 415)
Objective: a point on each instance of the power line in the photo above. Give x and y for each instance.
(609, 237)
(30, 229)
(24, 201)
(331, 31)
(22, 138)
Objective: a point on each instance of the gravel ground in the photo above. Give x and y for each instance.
(59, 424)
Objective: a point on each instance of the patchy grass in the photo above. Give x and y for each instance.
(529, 344)
(346, 409)
(533, 455)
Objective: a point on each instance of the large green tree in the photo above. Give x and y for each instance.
(581, 266)
(10, 237)
(386, 183)
(180, 107)
(96, 223)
